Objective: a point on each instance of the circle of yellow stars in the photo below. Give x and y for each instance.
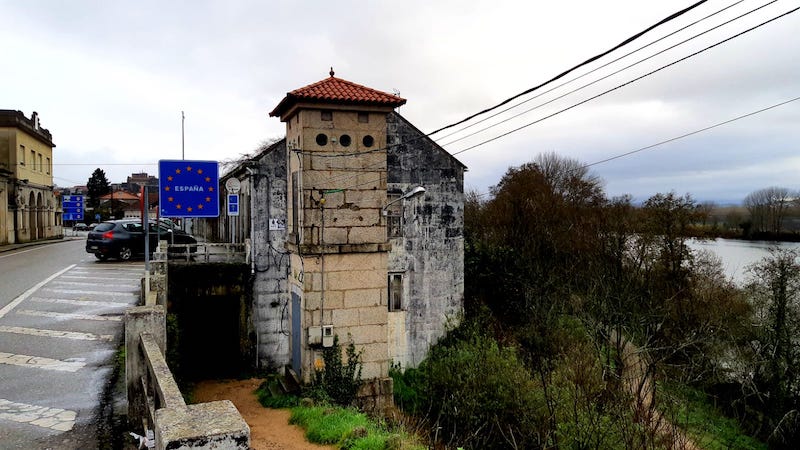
(179, 206)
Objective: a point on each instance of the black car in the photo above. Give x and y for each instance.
(122, 239)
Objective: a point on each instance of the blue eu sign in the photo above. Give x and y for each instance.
(72, 205)
(188, 188)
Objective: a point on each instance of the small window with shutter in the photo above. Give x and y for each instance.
(396, 292)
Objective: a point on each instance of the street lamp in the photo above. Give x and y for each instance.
(414, 192)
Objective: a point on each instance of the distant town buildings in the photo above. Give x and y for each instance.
(29, 208)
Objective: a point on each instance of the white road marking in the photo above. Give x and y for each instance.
(67, 301)
(30, 291)
(79, 283)
(39, 362)
(57, 334)
(56, 315)
(96, 277)
(106, 293)
(53, 418)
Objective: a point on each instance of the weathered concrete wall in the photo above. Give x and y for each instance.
(271, 261)
(430, 253)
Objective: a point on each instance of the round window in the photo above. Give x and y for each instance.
(368, 141)
(322, 140)
(345, 140)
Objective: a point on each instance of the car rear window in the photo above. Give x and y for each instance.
(104, 227)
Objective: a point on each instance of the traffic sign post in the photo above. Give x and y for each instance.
(188, 188)
(233, 204)
(72, 206)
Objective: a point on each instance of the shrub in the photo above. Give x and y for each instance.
(479, 394)
(338, 381)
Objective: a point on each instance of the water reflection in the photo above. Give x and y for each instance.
(737, 255)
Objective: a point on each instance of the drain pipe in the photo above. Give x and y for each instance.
(322, 269)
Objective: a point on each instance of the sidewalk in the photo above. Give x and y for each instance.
(10, 247)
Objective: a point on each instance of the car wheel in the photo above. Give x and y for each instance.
(100, 256)
(125, 253)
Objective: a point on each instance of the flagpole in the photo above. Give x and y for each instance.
(183, 119)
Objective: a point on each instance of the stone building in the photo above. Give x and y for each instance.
(29, 208)
(337, 250)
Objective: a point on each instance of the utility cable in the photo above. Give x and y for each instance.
(692, 133)
(628, 82)
(568, 71)
(561, 75)
(599, 79)
(679, 137)
(349, 177)
(592, 71)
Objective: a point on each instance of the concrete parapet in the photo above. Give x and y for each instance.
(213, 425)
(138, 320)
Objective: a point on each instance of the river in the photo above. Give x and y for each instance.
(737, 255)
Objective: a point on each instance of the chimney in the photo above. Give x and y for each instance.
(35, 120)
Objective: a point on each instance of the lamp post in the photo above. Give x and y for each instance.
(412, 193)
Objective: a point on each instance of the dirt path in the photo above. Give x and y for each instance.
(269, 428)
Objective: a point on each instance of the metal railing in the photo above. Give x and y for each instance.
(210, 252)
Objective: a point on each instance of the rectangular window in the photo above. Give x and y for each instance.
(40, 162)
(326, 116)
(363, 117)
(21, 155)
(396, 292)
(48, 166)
(33, 159)
(394, 216)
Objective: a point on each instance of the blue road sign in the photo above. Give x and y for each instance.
(72, 205)
(188, 188)
(233, 204)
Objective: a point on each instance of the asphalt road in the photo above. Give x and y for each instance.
(60, 330)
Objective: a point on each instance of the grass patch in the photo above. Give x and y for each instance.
(349, 429)
(265, 396)
(694, 411)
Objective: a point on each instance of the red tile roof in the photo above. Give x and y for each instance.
(337, 90)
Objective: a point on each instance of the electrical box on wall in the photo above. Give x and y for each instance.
(327, 335)
(321, 335)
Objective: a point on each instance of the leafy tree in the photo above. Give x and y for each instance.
(97, 186)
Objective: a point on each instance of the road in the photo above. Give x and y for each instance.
(60, 330)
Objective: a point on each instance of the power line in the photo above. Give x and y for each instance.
(568, 71)
(692, 133)
(561, 75)
(628, 82)
(349, 177)
(604, 66)
(682, 136)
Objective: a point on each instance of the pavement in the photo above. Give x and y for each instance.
(11, 247)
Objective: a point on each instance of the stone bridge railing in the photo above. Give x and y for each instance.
(155, 401)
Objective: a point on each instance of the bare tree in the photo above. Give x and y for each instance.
(768, 208)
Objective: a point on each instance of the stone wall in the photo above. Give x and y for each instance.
(430, 253)
(271, 262)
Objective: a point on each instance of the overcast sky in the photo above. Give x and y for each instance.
(109, 80)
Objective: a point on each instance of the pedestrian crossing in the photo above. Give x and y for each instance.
(57, 338)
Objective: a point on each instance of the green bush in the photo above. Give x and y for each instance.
(338, 381)
(477, 393)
